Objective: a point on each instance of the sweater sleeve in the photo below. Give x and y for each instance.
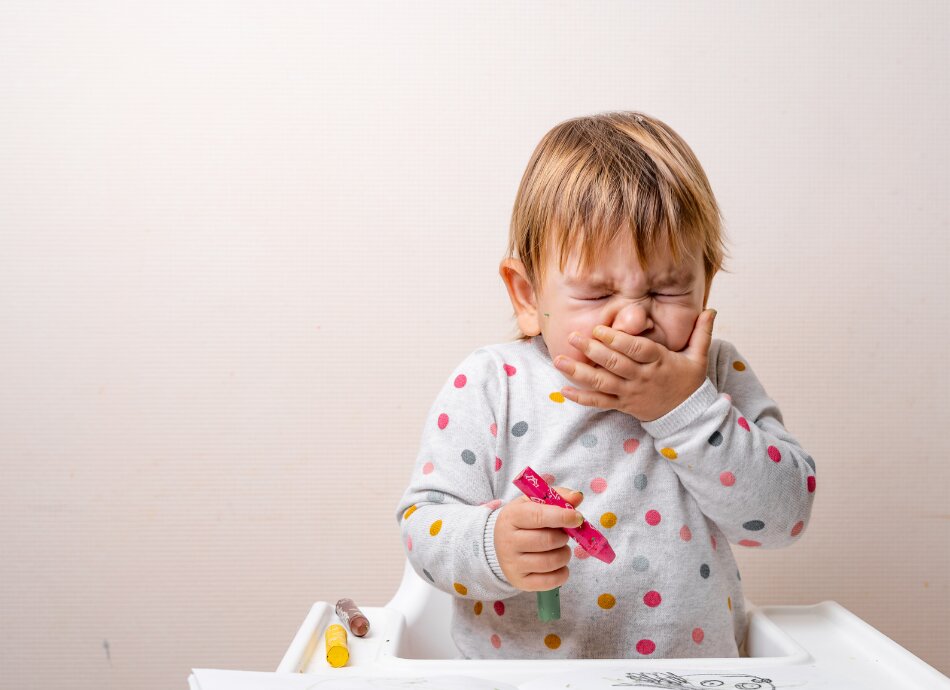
(447, 513)
(730, 449)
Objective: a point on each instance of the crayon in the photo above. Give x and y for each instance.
(352, 617)
(337, 653)
(593, 542)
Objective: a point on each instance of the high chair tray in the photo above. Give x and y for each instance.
(822, 646)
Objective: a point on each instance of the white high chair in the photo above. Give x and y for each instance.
(821, 644)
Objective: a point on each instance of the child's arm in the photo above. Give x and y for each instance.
(447, 514)
(731, 451)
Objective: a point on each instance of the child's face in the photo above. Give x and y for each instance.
(661, 303)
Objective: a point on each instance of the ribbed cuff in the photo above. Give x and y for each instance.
(489, 540)
(685, 413)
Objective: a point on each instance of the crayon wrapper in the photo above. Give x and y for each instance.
(337, 652)
(534, 487)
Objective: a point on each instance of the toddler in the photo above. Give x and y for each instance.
(616, 388)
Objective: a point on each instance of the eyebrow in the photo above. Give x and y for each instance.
(598, 282)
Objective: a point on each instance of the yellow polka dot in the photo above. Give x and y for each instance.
(608, 519)
(557, 397)
(729, 602)
(738, 366)
(436, 526)
(669, 453)
(606, 601)
(410, 511)
(460, 588)
(552, 641)
(478, 608)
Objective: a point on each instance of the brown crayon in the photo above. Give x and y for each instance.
(352, 617)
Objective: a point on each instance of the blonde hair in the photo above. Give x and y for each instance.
(591, 178)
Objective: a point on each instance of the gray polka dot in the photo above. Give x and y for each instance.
(588, 440)
(704, 571)
(468, 457)
(640, 481)
(640, 563)
(753, 525)
(436, 496)
(519, 429)
(715, 439)
(431, 579)
(811, 463)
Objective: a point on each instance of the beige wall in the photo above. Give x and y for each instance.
(243, 244)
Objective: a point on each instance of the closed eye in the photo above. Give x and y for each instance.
(655, 294)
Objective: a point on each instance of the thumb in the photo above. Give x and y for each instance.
(569, 495)
(701, 338)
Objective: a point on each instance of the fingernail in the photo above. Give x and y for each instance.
(580, 518)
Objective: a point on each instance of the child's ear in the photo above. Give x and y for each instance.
(523, 299)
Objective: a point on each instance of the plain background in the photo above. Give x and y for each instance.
(242, 245)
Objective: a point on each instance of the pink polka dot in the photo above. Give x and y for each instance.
(749, 543)
(653, 517)
(493, 429)
(712, 540)
(727, 397)
(460, 381)
(631, 445)
(580, 553)
(491, 505)
(500, 608)
(409, 542)
(727, 478)
(652, 599)
(743, 423)
(774, 454)
(549, 478)
(497, 463)
(698, 635)
(496, 641)
(443, 420)
(810, 482)
(598, 485)
(646, 647)
(685, 534)
(797, 529)
(510, 370)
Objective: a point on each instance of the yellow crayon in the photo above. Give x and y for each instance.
(337, 653)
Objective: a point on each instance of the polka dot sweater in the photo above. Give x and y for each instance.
(670, 495)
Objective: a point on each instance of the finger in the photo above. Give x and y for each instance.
(592, 377)
(608, 357)
(642, 350)
(701, 338)
(591, 398)
(569, 495)
(545, 561)
(533, 515)
(542, 582)
(537, 540)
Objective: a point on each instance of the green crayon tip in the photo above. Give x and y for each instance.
(549, 605)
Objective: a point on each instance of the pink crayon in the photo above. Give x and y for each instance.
(593, 542)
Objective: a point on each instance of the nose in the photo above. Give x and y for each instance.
(633, 319)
